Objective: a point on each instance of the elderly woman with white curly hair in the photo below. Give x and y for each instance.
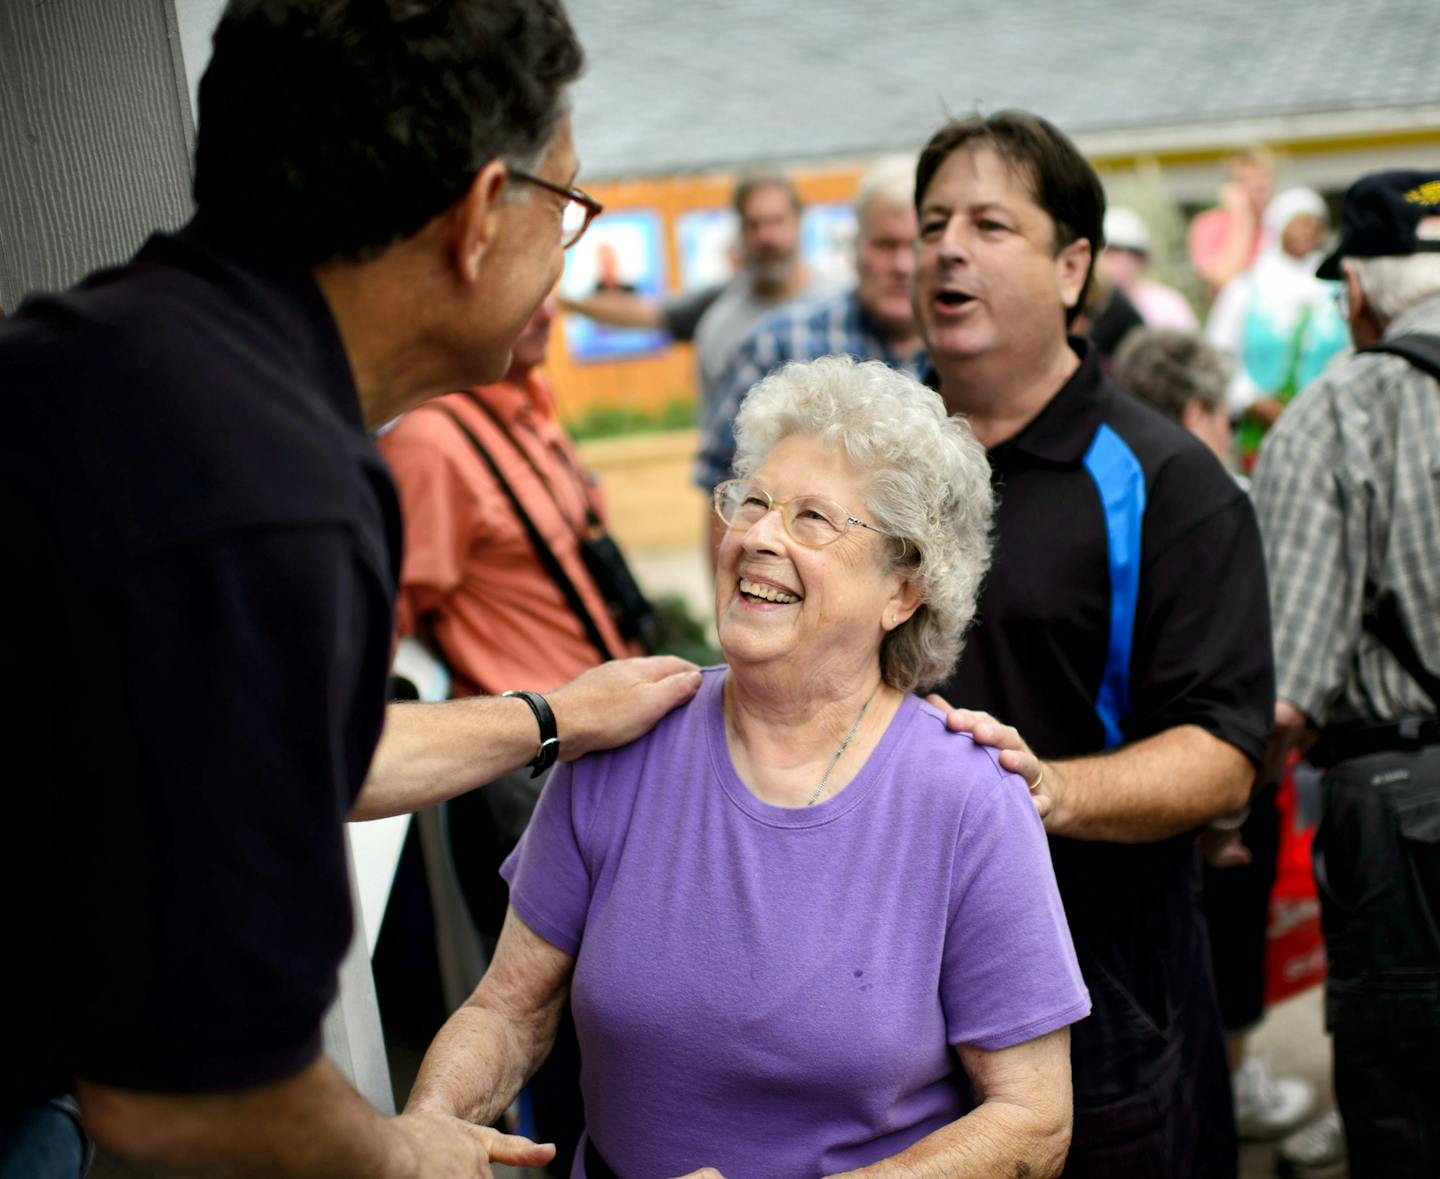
(789, 912)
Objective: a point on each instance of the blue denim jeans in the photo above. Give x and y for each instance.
(45, 1142)
(1377, 870)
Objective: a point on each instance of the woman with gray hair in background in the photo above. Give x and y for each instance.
(1184, 376)
(785, 913)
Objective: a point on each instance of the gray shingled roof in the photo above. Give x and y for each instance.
(682, 85)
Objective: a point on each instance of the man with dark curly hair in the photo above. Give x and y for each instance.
(1128, 580)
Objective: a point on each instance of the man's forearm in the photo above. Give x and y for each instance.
(618, 309)
(1165, 785)
(311, 1126)
(431, 752)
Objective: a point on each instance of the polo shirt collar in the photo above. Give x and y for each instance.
(1063, 430)
(287, 297)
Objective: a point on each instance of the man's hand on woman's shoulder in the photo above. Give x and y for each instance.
(619, 701)
(1015, 754)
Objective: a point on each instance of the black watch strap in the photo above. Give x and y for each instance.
(549, 749)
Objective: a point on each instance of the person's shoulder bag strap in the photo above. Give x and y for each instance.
(592, 518)
(547, 558)
(1422, 349)
(630, 609)
(1384, 622)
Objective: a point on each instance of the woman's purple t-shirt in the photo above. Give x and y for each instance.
(774, 991)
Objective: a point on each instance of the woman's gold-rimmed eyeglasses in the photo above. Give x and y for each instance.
(812, 520)
(580, 207)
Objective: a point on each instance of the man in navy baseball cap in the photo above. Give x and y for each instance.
(1347, 498)
(1380, 217)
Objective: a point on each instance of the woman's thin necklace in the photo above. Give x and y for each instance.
(844, 745)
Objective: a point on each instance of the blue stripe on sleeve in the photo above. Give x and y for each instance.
(1120, 481)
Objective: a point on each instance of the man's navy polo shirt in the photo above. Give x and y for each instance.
(203, 549)
(1127, 594)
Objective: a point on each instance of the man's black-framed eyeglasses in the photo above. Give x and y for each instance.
(580, 207)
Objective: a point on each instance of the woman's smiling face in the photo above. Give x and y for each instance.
(814, 608)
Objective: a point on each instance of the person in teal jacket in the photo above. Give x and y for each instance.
(1277, 319)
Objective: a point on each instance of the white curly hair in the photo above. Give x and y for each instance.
(929, 487)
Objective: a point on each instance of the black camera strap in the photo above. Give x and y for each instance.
(592, 518)
(1421, 349)
(629, 609)
(1384, 622)
(548, 559)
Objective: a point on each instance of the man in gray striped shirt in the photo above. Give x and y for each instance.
(1348, 494)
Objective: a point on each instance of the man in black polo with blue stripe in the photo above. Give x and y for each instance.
(1123, 629)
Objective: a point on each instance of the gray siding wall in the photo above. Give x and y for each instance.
(95, 136)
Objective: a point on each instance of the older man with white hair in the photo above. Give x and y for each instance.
(873, 320)
(1349, 508)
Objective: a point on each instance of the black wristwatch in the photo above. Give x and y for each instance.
(549, 749)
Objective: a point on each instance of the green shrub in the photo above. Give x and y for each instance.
(681, 633)
(614, 421)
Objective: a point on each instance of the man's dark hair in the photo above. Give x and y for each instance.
(752, 182)
(1060, 179)
(331, 128)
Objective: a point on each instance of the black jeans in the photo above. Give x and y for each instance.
(1152, 1088)
(1377, 869)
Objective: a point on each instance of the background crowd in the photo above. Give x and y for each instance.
(985, 451)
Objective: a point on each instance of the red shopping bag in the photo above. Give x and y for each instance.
(1294, 948)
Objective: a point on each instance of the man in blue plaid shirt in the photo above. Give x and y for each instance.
(873, 320)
